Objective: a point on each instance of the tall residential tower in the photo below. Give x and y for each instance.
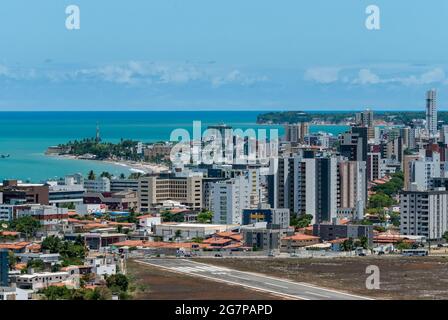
(431, 112)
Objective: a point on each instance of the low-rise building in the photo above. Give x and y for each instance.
(149, 221)
(123, 200)
(51, 218)
(279, 217)
(291, 243)
(328, 232)
(260, 237)
(189, 230)
(101, 184)
(41, 280)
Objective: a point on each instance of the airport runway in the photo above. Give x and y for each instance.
(281, 287)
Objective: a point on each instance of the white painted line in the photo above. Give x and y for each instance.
(297, 283)
(238, 277)
(275, 285)
(317, 294)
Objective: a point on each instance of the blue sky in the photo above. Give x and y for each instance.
(216, 54)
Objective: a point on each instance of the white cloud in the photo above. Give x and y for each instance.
(431, 76)
(366, 76)
(237, 77)
(323, 75)
(4, 70)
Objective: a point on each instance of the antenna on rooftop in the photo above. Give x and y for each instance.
(97, 137)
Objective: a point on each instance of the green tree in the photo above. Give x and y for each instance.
(36, 264)
(362, 242)
(69, 206)
(403, 245)
(395, 219)
(117, 283)
(348, 245)
(380, 200)
(172, 217)
(72, 252)
(445, 236)
(205, 217)
(135, 175)
(91, 175)
(12, 260)
(197, 240)
(26, 225)
(301, 221)
(99, 293)
(177, 234)
(52, 243)
(122, 176)
(57, 293)
(106, 174)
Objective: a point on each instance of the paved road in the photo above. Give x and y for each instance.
(281, 287)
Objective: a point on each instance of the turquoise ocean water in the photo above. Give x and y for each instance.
(26, 135)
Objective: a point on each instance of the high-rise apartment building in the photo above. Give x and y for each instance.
(354, 144)
(305, 186)
(424, 213)
(228, 199)
(352, 187)
(365, 119)
(431, 112)
(296, 132)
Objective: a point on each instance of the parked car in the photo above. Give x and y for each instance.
(218, 255)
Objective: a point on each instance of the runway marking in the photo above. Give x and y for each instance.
(301, 283)
(238, 277)
(199, 269)
(284, 295)
(275, 285)
(317, 294)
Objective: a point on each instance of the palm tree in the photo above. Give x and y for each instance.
(91, 175)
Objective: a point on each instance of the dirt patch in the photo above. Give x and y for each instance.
(151, 283)
(400, 277)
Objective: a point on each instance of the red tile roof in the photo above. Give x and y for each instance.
(14, 245)
(300, 236)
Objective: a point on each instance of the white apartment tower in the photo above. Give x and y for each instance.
(228, 198)
(431, 112)
(424, 213)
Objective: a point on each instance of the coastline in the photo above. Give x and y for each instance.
(132, 166)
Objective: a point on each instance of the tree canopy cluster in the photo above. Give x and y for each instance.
(72, 252)
(125, 149)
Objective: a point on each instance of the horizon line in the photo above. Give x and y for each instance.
(228, 110)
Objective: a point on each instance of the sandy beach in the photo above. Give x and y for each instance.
(133, 166)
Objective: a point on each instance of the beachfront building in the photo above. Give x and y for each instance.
(51, 218)
(117, 185)
(124, 200)
(154, 190)
(67, 191)
(101, 184)
(16, 192)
